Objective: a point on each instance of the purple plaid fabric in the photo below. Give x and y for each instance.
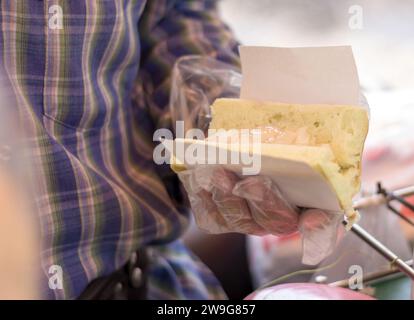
(94, 91)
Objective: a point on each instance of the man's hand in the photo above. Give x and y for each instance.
(222, 202)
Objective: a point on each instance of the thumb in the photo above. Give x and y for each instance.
(319, 231)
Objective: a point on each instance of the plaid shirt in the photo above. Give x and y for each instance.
(94, 92)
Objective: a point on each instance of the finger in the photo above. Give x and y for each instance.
(234, 209)
(207, 215)
(267, 206)
(205, 212)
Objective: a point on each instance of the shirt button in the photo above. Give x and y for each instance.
(118, 291)
(133, 259)
(136, 277)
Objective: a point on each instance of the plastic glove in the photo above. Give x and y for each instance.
(215, 208)
(319, 234)
(223, 202)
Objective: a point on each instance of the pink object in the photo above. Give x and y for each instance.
(306, 291)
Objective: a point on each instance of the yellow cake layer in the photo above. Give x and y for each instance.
(293, 128)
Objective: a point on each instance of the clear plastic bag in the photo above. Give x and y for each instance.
(197, 82)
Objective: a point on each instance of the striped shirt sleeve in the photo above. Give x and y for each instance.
(171, 29)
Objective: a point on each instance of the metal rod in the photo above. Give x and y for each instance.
(400, 215)
(402, 201)
(404, 192)
(377, 199)
(390, 196)
(382, 250)
(374, 276)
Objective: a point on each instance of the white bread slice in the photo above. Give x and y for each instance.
(330, 138)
